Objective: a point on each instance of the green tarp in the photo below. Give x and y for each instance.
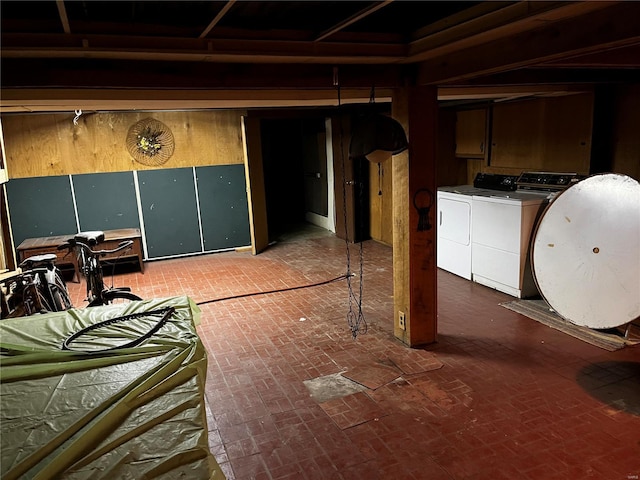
(134, 413)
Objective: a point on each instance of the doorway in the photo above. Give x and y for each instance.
(298, 174)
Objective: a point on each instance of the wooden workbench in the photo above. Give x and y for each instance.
(112, 238)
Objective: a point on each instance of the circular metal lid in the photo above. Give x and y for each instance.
(586, 252)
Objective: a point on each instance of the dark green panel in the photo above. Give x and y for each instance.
(224, 210)
(106, 201)
(40, 207)
(169, 212)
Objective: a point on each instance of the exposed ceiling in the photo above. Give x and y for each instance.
(125, 55)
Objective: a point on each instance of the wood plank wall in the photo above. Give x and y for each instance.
(40, 145)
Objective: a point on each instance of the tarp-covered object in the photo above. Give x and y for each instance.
(134, 413)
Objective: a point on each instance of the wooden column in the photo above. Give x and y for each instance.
(414, 252)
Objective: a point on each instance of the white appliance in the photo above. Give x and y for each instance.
(454, 230)
(454, 220)
(502, 227)
(484, 230)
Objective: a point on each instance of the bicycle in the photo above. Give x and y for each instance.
(38, 288)
(91, 269)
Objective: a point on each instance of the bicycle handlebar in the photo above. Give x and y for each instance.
(71, 243)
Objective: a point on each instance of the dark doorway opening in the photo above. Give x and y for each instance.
(295, 172)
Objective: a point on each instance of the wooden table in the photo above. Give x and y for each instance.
(112, 238)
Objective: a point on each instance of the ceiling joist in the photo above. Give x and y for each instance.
(217, 18)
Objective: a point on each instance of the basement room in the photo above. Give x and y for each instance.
(337, 240)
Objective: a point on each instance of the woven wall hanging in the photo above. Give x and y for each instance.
(150, 142)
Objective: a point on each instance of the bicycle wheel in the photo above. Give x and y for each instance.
(60, 298)
(39, 304)
(113, 297)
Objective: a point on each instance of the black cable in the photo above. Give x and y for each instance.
(354, 321)
(166, 314)
(273, 291)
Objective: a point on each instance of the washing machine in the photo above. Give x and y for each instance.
(502, 228)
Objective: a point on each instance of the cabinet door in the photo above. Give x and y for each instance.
(517, 139)
(547, 134)
(471, 127)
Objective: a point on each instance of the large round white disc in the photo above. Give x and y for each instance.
(586, 252)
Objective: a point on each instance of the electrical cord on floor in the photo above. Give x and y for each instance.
(166, 313)
(340, 277)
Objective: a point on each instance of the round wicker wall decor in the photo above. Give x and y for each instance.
(150, 142)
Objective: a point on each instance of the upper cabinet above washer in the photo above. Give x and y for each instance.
(471, 133)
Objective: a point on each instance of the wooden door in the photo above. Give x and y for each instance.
(254, 174)
(351, 185)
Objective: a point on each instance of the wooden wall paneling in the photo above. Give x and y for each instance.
(603, 131)
(50, 144)
(224, 211)
(106, 201)
(626, 144)
(452, 170)
(474, 166)
(170, 212)
(41, 207)
(32, 146)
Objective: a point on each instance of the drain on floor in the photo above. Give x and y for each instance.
(330, 387)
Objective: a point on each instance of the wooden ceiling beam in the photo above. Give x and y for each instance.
(217, 18)
(624, 57)
(64, 19)
(52, 100)
(79, 73)
(198, 50)
(607, 28)
(353, 19)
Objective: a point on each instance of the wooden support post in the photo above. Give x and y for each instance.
(414, 251)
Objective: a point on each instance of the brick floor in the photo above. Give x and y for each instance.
(498, 396)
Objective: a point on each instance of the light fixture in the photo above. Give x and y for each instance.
(375, 136)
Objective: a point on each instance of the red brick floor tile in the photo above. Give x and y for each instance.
(371, 375)
(497, 396)
(353, 410)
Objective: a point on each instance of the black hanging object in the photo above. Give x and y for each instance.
(376, 132)
(423, 210)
